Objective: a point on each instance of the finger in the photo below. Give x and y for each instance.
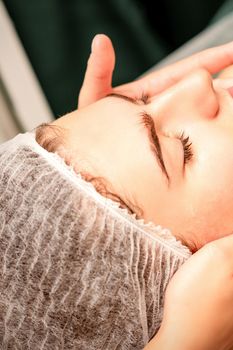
(225, 243)
(98, 77)
(226, 73)
(219, 250)
(213, 60)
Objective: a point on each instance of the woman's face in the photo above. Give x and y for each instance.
(190, 192)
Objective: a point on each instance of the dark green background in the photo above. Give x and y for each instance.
(57, 35)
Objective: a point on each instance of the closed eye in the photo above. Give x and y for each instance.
(187, 146)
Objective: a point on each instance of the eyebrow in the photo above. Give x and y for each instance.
(157, 149)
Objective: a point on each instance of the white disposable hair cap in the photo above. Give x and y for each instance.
(77, 271)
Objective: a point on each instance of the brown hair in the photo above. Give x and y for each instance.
(52, 138)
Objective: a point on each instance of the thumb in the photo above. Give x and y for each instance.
(98, 77)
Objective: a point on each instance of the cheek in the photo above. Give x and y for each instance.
(217, 174)
(222, 189)
(212, 196)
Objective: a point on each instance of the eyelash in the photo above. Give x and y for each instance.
(187, 146)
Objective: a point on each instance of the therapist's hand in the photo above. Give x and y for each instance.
(98, 77)
(198, 309)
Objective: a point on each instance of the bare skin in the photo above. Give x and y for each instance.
(198, 311)
(98, 77)
(194, 197)
(183, 293)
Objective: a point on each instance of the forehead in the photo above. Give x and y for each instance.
(105, 118)
(116, 109)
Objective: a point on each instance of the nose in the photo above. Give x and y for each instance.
(192, 97)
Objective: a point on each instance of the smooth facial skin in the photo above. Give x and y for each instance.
(108, 139)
